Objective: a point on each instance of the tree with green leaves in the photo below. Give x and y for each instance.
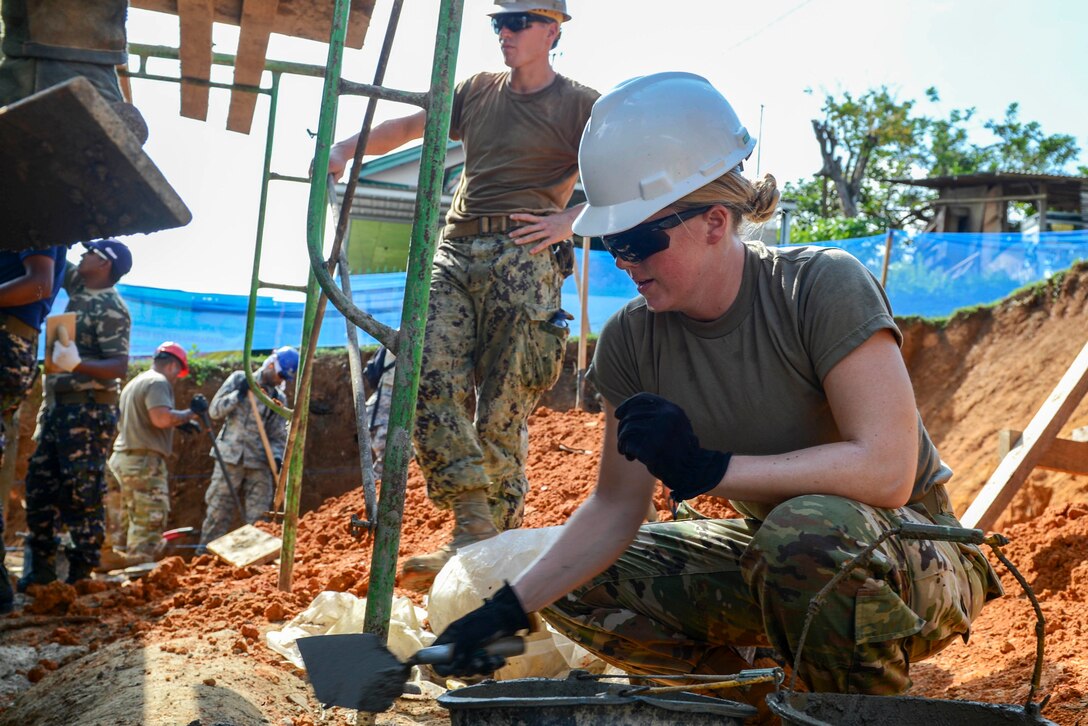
(866, 140)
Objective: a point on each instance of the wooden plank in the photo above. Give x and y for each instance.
(195, 19)
(1038, 436)
(68, 320)
(1065, 455)
(257, 17)
(75, 172)
(310, 19)
(246, 546)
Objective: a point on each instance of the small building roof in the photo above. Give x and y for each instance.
(1063, 191)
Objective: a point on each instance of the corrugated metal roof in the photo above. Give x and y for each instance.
(970, 180)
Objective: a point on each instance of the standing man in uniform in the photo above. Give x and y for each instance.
(66, 482)
(495, 330)
(145, 439)
(29, 281)
(242, 449)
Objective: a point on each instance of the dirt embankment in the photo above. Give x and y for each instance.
(184, 644)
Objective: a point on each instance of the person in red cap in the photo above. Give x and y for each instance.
(145, 439)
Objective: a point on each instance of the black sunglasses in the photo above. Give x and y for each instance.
(636, 244)
(515, 22)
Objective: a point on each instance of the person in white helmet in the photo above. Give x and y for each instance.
(496, 333)
(770, 377)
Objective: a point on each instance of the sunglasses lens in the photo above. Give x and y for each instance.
(635, 245)
(515, 23)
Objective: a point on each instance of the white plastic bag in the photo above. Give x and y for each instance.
(480, 569)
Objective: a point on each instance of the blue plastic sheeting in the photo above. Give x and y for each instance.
(929, 275)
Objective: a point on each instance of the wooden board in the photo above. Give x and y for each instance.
(68, 320)
(310, 19)
(1065, 455)
(257, 20)
(1037, 439)
(246, 546)
(195, 19)
(73, 171)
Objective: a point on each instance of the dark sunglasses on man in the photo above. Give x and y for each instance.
(636, 244)
(516, 22)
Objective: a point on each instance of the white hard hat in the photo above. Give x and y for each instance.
(651, 141)
(523, 6)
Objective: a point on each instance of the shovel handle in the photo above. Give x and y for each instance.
(505, 647)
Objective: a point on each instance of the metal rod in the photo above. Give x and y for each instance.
(144, 50)
(413, 321)
(413, 98)
(281, 286)
(1040, 625)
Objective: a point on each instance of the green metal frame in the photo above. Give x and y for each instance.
(407, 342)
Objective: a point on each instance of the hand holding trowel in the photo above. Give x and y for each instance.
(357, 671)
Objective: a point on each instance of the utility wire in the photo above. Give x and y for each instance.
(780, 18)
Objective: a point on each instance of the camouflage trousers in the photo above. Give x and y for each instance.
(65, 482)
(685, 595)
(18, 364)
(490, 350)
(145, 500)
(255, 488)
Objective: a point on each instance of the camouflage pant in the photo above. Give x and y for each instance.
(685, 594)
(65, 482)
(18, 364)
(254, 487)
(491, 347)
(145, 499)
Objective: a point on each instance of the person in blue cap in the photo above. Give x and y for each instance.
(244, 461)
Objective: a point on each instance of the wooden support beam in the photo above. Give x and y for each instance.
(256, 26)
(1065, 455)
(1037, 439)
(195, 18)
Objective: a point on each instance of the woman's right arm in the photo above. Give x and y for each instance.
(597, 533)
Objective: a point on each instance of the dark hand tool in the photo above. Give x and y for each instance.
(357, 671)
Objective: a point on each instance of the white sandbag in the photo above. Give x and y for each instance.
(476, 572)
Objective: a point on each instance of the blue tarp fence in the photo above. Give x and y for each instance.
(930, 275)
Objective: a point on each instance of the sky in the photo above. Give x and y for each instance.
(774, 60)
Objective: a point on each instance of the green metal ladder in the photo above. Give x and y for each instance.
(384, 517)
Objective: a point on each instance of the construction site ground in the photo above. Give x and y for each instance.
(184, 644)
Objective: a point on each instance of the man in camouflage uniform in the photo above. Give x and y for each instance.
(65, 482)
(244, 459)
(495, 333)
(145, 439)
(29, 281)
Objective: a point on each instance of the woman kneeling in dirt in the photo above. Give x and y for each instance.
(770, 377)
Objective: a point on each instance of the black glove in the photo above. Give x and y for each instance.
(198, 404)
(189, 427)
(499, 617)
(242, 387)
(658, 433)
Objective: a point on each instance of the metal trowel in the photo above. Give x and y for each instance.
(357, 671)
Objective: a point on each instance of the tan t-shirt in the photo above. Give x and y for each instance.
(135, 431)
(521, 150)
(751, 381)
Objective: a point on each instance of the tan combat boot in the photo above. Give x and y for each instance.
(472, 523)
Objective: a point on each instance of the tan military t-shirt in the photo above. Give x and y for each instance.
(521, 150)
(751, 381)
(135, 431)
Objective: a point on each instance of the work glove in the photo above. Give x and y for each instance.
(499, 617)
(66, 356)
(198, 404)
(241, 387)
(658, 433)
(189, 427)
